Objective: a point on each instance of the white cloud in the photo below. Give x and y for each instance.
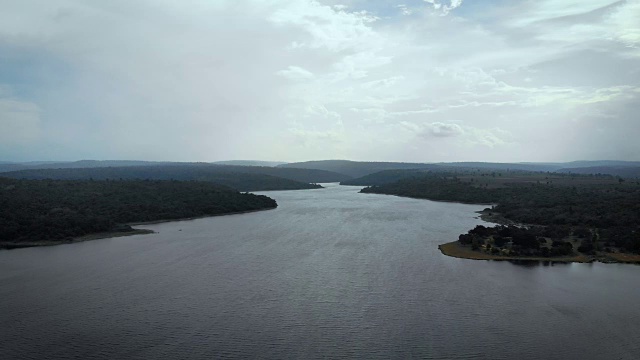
(301, 79)
(444, 8)
(439, 129)
(296, 73)
(330, 28)
(404, 10)
(488, 137)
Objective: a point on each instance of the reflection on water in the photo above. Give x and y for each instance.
(537, 263)
(330, 273)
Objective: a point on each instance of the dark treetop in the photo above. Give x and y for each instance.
(57, 210)
(608, 206)
(242, 178)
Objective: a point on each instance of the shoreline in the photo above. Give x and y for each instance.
(114, 234)
(456, 250)
(151, 222)
(83, 238)
(440, 201)
(495, 218)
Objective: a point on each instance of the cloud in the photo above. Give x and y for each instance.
(404, 10)
(329, 28)
(296, 73)
(491, 138)
(302, 79)
(439, 129)
(444, 8)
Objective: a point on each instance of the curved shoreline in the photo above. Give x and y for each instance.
(456, 250)
(421, 198)
(114, 234)
(198, 217)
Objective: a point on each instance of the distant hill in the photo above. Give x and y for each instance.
(76, 164)
(355, 168)
(4, 167)
(343, 170)
(505, 166)
(385, 177)
(599, 163)
(302, 175)
(587, 167)
(390, 176)
(249, 163)
(358, 169)
(242, 180)
(622, 171)
(12, 166)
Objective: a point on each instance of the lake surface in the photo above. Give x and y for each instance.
(330, 273)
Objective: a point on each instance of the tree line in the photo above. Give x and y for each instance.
(241, 178)
(55, 210)
(611, 209)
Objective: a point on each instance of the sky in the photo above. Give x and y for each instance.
(296, 80)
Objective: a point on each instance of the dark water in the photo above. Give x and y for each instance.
(329, 274)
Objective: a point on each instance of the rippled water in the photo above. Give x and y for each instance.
(330, 273)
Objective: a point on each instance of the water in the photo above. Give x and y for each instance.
(330, 273)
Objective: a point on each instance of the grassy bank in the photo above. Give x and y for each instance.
(457, 250)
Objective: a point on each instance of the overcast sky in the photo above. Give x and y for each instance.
(293, 80)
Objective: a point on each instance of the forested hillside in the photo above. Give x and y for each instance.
(55, 210)
(6, 167)
(356, 168)
(606, 205)
(242, 178)
(384, 177)
(291, 173)
(622, 171)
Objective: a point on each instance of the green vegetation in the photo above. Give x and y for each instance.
(600, 213)
(241, 178)
(384, 177)
(51, 211)
(626, 169)
(355, 168)
(176, 169)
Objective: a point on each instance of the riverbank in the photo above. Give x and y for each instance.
(113, 234)
(88, 237)
(198, 217)
(457, 250)
(491, 216)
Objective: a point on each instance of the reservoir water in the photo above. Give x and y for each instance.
(330, 273)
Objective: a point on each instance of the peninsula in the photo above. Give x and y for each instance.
(543, 216)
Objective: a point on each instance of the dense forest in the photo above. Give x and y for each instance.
(177, 168)
(607, 206)
(356, 168)
(241, 178)
(385, 177)
(58, 210)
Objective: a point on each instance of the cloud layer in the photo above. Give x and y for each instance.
(296, 80)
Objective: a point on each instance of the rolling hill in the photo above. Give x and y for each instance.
(223, 175)
(355, 168)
